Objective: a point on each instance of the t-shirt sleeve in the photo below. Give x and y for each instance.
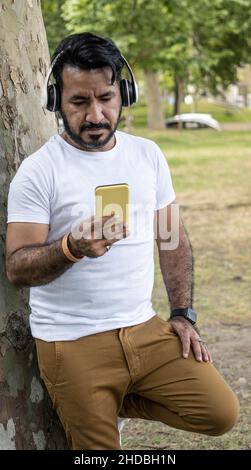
(29, 194)
(164, 188)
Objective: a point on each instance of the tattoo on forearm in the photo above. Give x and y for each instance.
(177, 271)
(38, 264)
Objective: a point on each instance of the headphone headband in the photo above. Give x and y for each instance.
(51, 93)
(44, 100)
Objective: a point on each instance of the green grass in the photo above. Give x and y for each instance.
(211, 173)
(212, 178)
(206, 160)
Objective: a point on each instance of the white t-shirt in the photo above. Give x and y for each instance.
(56, 186)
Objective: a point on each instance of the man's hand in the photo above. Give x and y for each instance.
(190, 338)
(94, 236)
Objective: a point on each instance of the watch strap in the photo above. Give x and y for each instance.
(179, 312)
(187, 312)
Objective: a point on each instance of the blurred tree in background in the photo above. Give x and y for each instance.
(201, 43)
(54, 22)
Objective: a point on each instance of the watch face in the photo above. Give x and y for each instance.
(191, 315)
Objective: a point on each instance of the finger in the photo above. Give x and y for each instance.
(112, 231)
(120, 231)
(112, 216)
(111, 227)
(196, 346)
(185, 339)
(113, 240)
(209, 354)
(88, 227)
(81, 228)
(89, 224)
(99, 225)
(126, 229)
(123, 233)
(204, 351)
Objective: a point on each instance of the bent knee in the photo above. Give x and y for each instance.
(225, 417)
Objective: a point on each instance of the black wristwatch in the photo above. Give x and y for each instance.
(187, 313)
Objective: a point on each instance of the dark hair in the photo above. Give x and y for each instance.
(87, 51)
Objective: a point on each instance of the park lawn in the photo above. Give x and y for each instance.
(211, 172)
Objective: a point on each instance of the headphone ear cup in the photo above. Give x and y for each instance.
(126, 91)
(53, 98)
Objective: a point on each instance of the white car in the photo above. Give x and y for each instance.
(193, 121)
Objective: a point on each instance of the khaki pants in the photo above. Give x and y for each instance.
(135, 372)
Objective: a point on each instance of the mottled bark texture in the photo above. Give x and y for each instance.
(27, 420)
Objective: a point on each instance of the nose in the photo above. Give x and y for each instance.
(94, 113)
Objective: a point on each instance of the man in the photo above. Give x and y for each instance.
(102, 350)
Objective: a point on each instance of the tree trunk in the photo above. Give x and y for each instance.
(128, 120)
(155, 115)
(27, 420)
(178, 94)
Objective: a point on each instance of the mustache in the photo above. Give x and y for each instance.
(86, 127)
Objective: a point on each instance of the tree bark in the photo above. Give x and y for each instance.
(27, 420)
(155, 115)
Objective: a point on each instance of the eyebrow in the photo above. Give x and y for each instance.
(107, 94)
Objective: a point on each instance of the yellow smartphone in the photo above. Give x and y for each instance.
(113, 198)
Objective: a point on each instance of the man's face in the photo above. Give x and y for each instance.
(90, 107)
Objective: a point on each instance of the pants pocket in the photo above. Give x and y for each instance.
(49, 356)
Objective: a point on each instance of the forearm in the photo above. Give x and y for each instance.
(177, 271)
(37, 265)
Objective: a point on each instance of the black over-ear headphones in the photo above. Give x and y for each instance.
(51, 93)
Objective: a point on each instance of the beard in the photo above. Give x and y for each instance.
(97, 142)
